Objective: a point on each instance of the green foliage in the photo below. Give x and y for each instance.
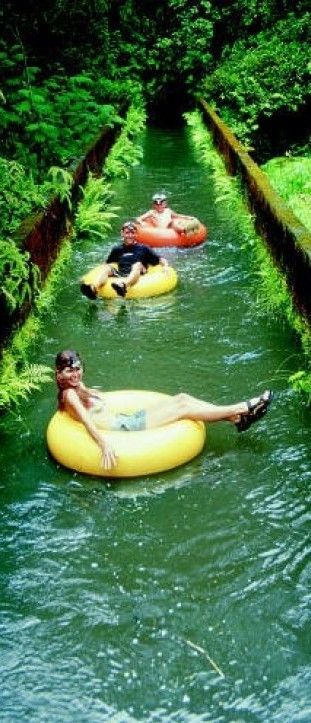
(55, 32)
(49, 120)
(19, 196)
(59, 183)
(126, 151)
(242, 18)
(16, 385)
(182, 49)
(291, 178)
(301, 382)
(261, 75)
(18, 378)
(272, 295)
(94, 213)
(65, 70)
(18, 276)
(225, 185)
(93, 217)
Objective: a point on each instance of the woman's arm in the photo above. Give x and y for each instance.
(75, 408)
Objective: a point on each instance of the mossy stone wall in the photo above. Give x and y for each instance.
(287, 237)
(41, 235)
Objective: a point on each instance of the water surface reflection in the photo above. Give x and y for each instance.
(104, 583)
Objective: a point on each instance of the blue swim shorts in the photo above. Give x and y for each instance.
(135, 422)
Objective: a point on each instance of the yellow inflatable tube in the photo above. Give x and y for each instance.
(155, 282)
(139, 453)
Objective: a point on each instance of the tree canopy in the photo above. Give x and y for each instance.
(66, 66)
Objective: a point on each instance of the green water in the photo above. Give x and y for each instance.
(106, 586)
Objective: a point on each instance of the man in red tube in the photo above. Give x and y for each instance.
(161, 216)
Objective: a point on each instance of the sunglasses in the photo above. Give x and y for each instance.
(76, 366)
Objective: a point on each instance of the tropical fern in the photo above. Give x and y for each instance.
(126, 152)
(271, 289)
(59, 182)
(18, 378)
(19, 196)
(92, 216)
(301, 382)
(16, 271)
(16, 385)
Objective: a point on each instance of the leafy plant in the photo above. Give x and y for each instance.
(301, 382)
(93, 217)
(19, 196)
(49, 120)
(291, 177)
(126, 151)
(16, 271)
(95, 212)
(59, 182)
(16, 385)
(261, 75)
(18, 378)
(271, 289)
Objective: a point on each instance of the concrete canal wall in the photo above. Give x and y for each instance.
(42, 235)
(43, 238)
(286, 236)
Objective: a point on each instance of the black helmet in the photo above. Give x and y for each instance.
(159, 197)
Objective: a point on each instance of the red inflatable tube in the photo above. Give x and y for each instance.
(159, 237)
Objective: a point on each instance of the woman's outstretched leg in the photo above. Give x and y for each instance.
(184, 406)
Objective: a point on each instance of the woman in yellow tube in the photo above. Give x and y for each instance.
(87, 406)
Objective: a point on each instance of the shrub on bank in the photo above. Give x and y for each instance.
(291, 178)
(93, 216)
(266, 73)
(273, 298)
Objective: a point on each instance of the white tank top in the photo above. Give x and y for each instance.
(163, 219)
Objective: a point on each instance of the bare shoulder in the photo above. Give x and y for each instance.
(70, 397)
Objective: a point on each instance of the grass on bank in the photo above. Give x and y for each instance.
(18, 378)
(269, 283)
(291, 178)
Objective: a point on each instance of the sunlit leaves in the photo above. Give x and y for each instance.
(94, 213)
(16, 384)
(15, 274)
(262, 75)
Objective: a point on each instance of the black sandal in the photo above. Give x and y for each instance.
(119, 289)
(256, 410)
(88, 291)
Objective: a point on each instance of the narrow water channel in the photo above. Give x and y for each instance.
(180, 597)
